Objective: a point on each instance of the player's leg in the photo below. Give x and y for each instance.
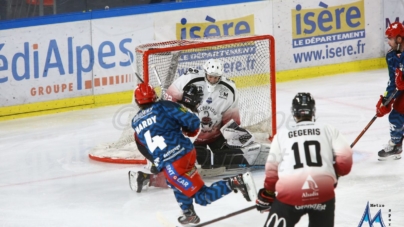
(188, 213)
(203, 156)
(394, 147)
(284, 215)
(322, 215)
(183, 178)
(223, 156)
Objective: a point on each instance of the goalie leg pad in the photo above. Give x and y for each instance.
(250, 184)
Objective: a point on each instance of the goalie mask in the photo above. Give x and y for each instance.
(303, 107)
(145, 94)
(213, 73)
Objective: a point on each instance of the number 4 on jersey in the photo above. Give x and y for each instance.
(156, 141)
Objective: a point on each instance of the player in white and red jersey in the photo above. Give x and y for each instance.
(219, 103)
(218, 107)
(302, 169)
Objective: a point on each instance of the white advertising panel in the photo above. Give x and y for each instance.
(44, 63)
(114, 39)
(393, 12)
(315, 33)
(90, 57)
(238, 19)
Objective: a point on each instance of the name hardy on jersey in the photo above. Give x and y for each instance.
(145, 123)
(304, 132)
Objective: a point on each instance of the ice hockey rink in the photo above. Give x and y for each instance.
(47, 178)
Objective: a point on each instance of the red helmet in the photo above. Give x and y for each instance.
(395, 29)
(145, 94)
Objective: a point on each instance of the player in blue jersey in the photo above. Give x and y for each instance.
(214, 98)
(395, 35)
(161, 130)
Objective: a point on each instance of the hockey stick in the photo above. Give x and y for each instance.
(133, 68)
(374, 118)
(225, 217)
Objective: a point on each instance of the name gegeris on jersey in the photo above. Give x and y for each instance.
(304, 132)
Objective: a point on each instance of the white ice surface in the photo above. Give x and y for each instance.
(47, 179)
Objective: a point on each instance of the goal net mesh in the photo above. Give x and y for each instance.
(248, 61)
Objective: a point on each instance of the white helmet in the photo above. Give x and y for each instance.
(213, 67)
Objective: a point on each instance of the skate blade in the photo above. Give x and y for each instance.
(132, 180)
(250, 184)
(390, 158)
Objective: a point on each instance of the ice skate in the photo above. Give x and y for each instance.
(138, 180)
(391, 152)
(189, 217)
(245, 184)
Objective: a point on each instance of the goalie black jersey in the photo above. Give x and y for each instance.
(304, 161)
(159, 129)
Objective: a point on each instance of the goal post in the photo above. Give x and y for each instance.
(248, 60)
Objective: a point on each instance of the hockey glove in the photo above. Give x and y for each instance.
(264, 200)
(235, 136)
(399, 79)
(190, 134)
(382, 110)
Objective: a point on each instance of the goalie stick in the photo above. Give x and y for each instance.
(374, 118)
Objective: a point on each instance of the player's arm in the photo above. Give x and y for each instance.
(271, 166)
(233, 111)
(188, 121)
(342, 152)
(266, 195)
(173, 93)
(142, 148)
(393, 62)
(175, 90)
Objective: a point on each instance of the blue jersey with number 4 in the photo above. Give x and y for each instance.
(159, 129)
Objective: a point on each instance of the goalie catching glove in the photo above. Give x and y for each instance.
(264, 200)
(192, 97)
(235, 136)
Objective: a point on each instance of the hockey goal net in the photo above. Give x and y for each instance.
(248, 61)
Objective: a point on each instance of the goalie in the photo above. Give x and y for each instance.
(215, 99)
(218, 112)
